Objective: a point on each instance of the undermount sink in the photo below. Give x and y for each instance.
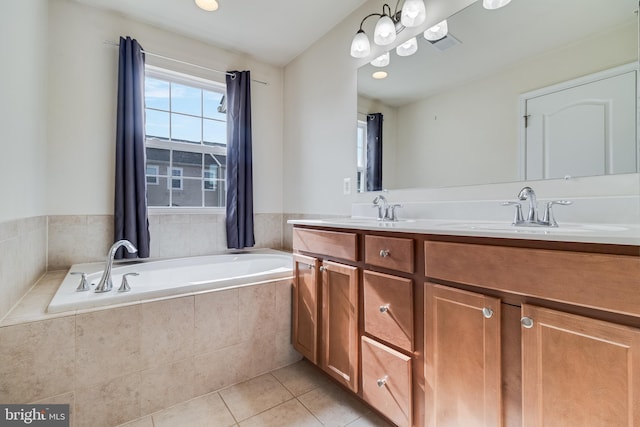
(569, 228)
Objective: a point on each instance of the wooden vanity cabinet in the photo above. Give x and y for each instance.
(305, 317)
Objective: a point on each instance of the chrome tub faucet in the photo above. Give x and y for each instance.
(106, 284)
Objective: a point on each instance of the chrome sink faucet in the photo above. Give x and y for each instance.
(106, 284)
(532, 220)
(386, 212)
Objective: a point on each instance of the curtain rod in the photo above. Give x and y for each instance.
(109, 42)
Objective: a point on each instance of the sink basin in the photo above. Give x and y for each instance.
(562, 229)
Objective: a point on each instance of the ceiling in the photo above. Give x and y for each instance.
(262, 29)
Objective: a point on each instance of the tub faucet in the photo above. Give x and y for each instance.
(106, 284)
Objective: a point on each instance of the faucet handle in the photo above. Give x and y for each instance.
(84, 284)
(517, 218)
(392, 212)
(548, 218)
(124, 286)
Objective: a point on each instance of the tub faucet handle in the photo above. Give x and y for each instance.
(84, 284)
(124, 286)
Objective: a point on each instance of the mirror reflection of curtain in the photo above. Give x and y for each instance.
(374, 152)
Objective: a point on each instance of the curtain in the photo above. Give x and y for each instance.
(239, 220)
(130, 207)
(374, 152)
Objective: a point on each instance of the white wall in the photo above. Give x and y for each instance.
(82, 105)
(23, 89)
(320, 118)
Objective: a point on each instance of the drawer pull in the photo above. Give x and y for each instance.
(487, 313)
(384, 253)
(382, 381)
(384, 308)
(527, 322)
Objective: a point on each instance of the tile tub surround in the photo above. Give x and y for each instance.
(23, 258)
(75, 239)
(143, 357)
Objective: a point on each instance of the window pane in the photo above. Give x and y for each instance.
(190, 195)
(212, 107)
(157, 124)
(157, 156)
(216, 198)
(186, 128)
(158, 195)
(156, 93)
(185, 99)
(190, 163)
(215, 132)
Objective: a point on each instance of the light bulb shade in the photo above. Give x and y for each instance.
(437, 32)
(208, 5)
(407, 48)
(382, 60)
(360, 46)
(385, 32)
(413, 13)
(494, 4)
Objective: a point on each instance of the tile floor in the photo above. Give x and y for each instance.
(295, 396)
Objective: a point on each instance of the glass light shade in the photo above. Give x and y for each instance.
(378, 75)
(437, 32)
(385, 32)
(407, 48)
(208, 5)
(494, 4)
(360, 46)
(413, 13)
(382, 60)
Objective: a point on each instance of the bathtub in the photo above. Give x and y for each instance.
(171, 277)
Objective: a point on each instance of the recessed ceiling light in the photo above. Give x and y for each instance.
(208, 5)
(380, 75)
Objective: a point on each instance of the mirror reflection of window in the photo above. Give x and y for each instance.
(362, 156)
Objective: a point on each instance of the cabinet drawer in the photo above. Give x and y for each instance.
(389, 252)
(388, 308)
(386, 381)
(333, 243)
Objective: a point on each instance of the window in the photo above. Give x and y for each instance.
(186, 140)
(362, 156)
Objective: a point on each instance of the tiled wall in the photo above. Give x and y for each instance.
(75, 239)
(118, 364)
(23, 258)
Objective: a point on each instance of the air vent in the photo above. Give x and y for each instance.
(445, 43)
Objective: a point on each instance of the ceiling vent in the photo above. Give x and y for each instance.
(445, 43)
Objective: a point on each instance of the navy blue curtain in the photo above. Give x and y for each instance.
(374, 152)
(239, 219)
(130, 207)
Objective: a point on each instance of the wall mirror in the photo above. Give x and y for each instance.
(454, 114)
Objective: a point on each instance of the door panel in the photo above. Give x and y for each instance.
(305, 306)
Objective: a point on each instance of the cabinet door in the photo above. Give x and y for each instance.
(305, 306)
(340, 323)
(462, 358)
(578, 371)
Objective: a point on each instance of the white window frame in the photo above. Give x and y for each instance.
(151, 142)
(362, 124)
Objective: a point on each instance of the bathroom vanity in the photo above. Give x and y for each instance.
(437, 325)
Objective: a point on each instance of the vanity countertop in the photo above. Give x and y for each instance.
(617, 234)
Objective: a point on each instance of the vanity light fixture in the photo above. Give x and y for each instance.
(412, 14)
(382, 60)
(407, 48)
(208, 5)
(378, 75)
(437, 32)
(494, 4)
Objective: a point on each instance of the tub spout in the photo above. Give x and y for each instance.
(106, 284)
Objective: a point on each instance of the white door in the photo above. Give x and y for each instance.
(582, 129)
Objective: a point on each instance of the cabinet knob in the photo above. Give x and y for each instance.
(527, 322)
(384, 308)
(487, 313)
(382, 381)
(384, 253)
(311, 266)
(323, 268)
